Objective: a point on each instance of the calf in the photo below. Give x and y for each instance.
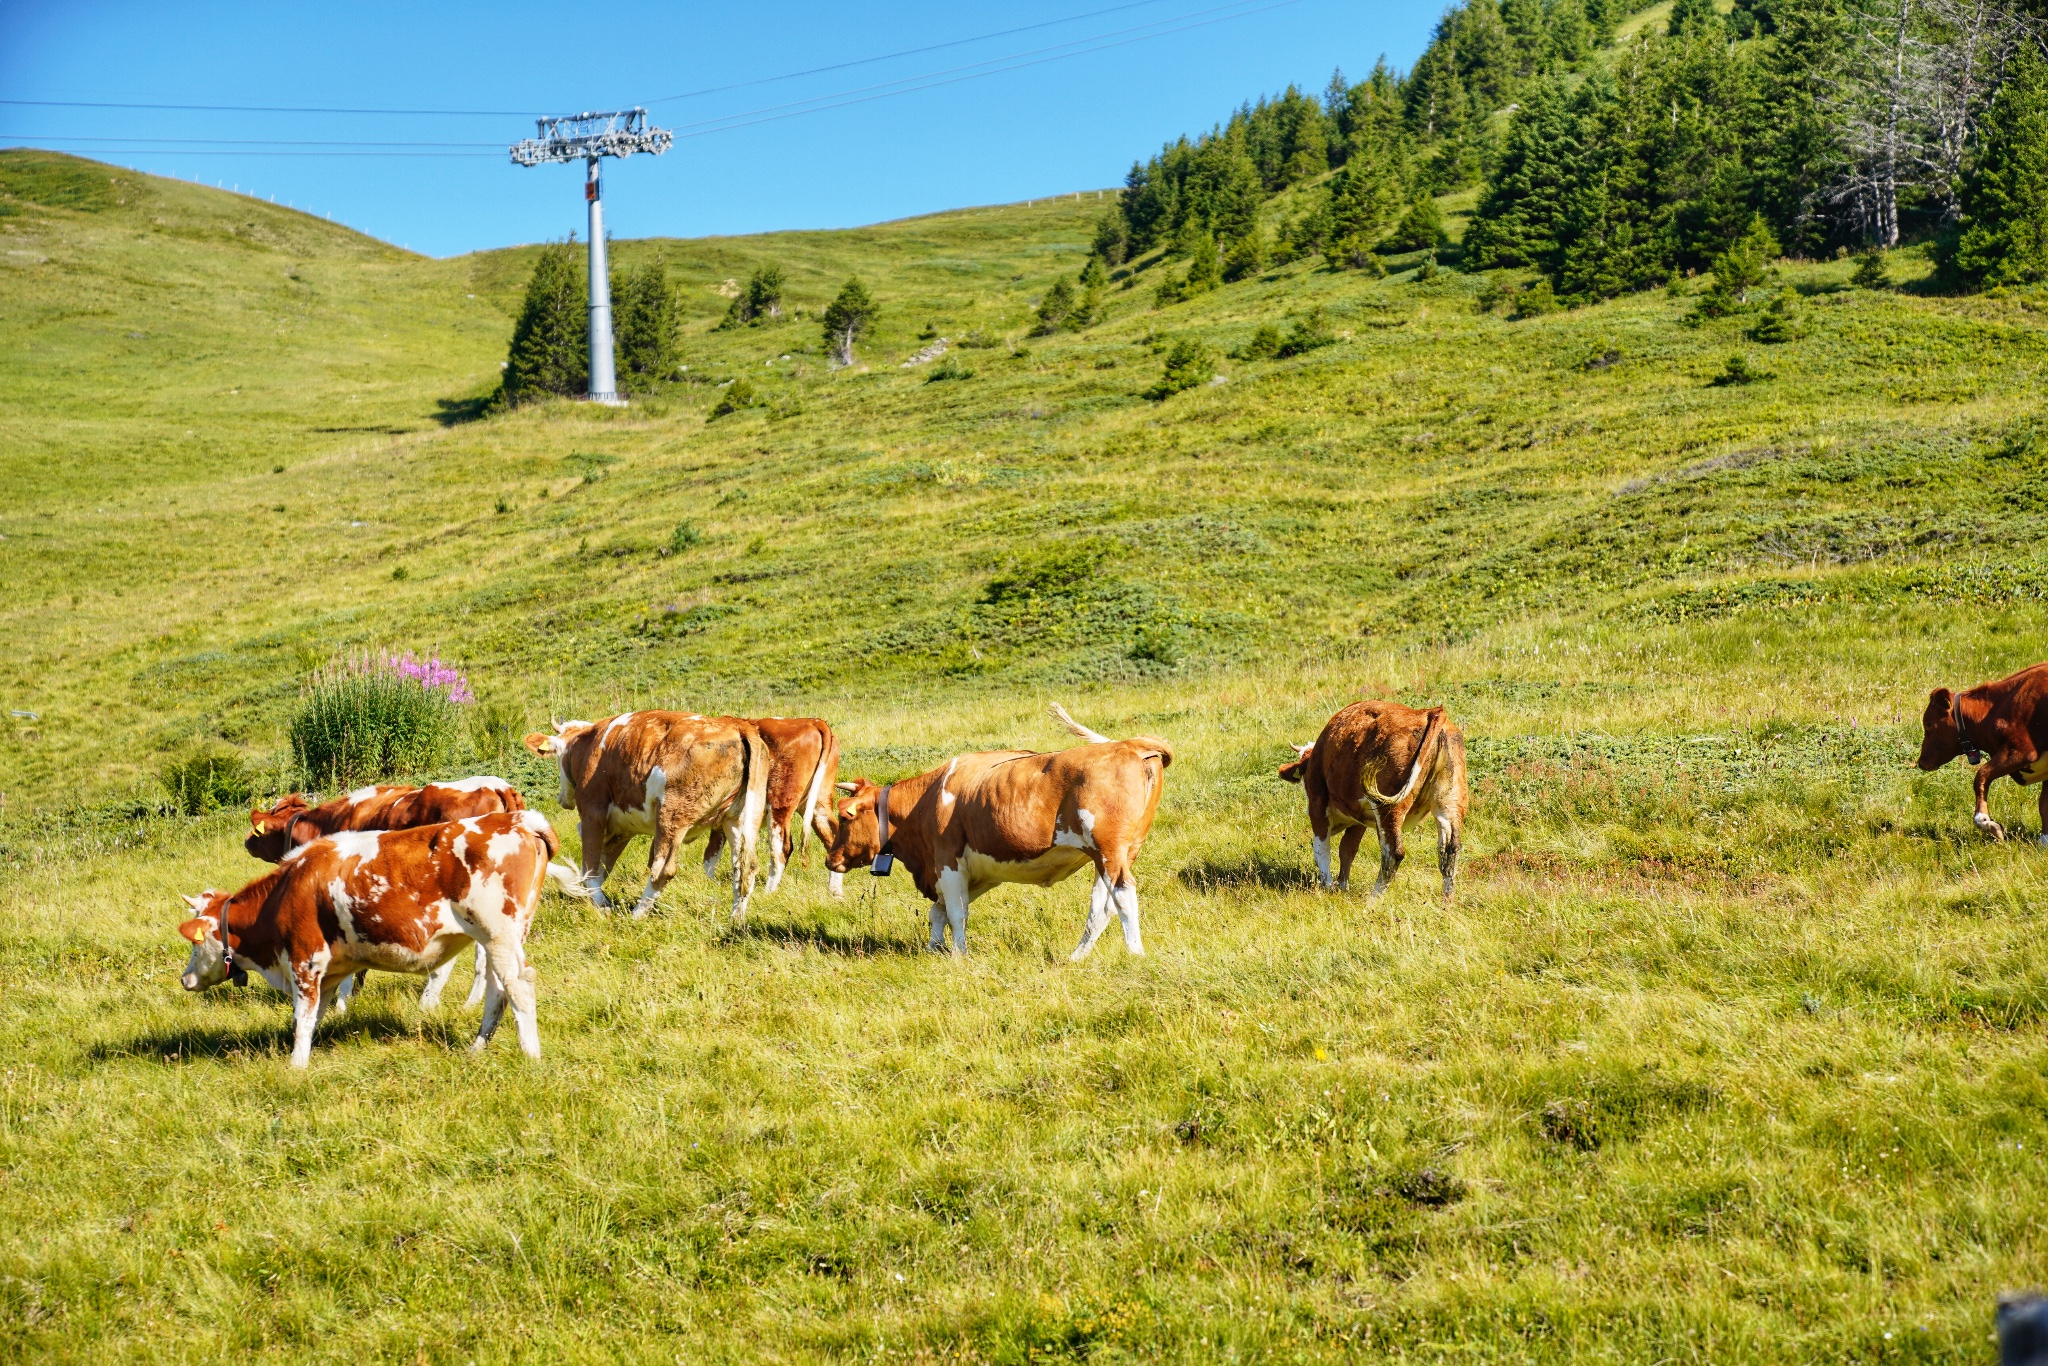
(667, 775)
(1364, 751)
(803, 763)
(396, 900)
(292, 822)
(2002, 724)
(1014, 816)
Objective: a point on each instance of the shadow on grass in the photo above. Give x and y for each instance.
(448, 1028)
(1251, 870)
(852, 944)
(453, 412)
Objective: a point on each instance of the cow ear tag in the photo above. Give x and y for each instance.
(882, 865)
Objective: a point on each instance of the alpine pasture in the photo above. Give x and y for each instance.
(1730, 1049)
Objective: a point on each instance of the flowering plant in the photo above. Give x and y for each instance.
(432, 674)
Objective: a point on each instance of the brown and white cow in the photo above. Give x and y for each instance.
(1015, 816)
(394, 900)
(2005, 724)
(1383, 765)
(803, 763)
(667, 775)
(292, 822)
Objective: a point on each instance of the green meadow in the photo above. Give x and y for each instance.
(1731, 1048)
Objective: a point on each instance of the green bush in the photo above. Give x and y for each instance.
(1535, 301)
(739, 394)
(1264, 344)
(684, 537)
(211, 780)
(1311, 330)
(1188, 365)
(1870, 271)
(949, 367)
(1740, 371)
(377, 717)
(1054, 571)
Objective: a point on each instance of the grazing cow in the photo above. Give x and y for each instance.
(1014, 816)
(395, 900)
(293, 822)
(2003, 723)
(667, 775)
(803, 763)
(1364, 752)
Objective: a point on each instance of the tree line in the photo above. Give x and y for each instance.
(1608, 167)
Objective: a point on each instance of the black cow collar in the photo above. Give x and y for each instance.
(884, 860)
(1955, 716)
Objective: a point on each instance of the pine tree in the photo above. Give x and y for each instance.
(650, 324)
(1246, 258)
(1055, 309)
(1690, 17)
(1188, 365)
(1366, 195)
(1205, 269)
(2004, 239)
(1420, 229)
(759, 302)
(846, 317)
(1523, 210)
(1094, 280)
(550, 351)
(1112, 236)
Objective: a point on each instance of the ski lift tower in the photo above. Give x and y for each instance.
(591, 136)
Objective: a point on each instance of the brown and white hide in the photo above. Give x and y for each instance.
(1015, 816)
(1383, 766)
(670, 776)
(803, 763)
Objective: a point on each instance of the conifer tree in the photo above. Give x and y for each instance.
(2004, 239)
(1055, 309)
(759, 302)
(1112, 236)
(1205, 268)
(1420, 229)
(550, 351)
(1246, 258)
(846, 318)
(1523, 210)
(650, 324)
(1691, 17)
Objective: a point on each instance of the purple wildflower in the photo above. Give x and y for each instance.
(431, 674)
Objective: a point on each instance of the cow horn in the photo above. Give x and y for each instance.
(556, 724)
(847, 787)
(1301, 751)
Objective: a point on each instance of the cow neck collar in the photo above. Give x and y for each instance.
(1955, 716)
(882, 820)
(227, 950)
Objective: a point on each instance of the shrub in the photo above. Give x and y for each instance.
(739, 394)
(1264, 344)
(1535, 301)
(212, 780)
(1739, 371)
(1780, 322)
(949, 367)
(1188, 365)
(1356, 253)
(759, 302)
(1055, 309)
(1311, 330)
(1205, 269)
(1054, 571)
(375, 716)
(1427, 269)
(1494, 293)
(684, 537)
(1246, 258)
(1870, 272)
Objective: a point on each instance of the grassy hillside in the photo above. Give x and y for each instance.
(1732, 1048)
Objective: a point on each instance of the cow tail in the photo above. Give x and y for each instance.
(566, 878)
(1432, 732)
(568, 881)
(828, 764)
(754, 763)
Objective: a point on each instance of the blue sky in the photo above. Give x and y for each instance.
(1081, 99)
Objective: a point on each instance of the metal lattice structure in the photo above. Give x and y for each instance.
(590, 137)
(583, 137)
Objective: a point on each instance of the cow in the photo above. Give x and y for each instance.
(803, 764)
(1014, 815)
(1353, 774)
(667, 775)
(395, 900)
(292, 822)
(2002, 727)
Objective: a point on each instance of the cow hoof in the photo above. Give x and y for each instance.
(836, 883)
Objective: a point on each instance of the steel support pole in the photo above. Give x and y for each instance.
(603, 381)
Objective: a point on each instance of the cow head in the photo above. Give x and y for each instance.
(208, 965)
(1292, 772)
(854, 844)
(1939, 741)
(270, 832)
(567, 734)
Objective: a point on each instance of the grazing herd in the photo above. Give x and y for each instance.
(399, 879)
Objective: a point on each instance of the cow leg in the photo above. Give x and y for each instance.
(661, 862)
(430, 995)
(1982, 819)
(307, 988)
(1319, 828)
(1100, 900)
(483, 973)
(511, 978)
(2043, 840)
(1388, 827)
(938, 944)
(779, 846)
(1449, 839)
(713, 847)
(1123, 894)
(953, 888)
(591, 826)
(346, 991)
(1347, 850)
(836, 884)
(746, 861)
